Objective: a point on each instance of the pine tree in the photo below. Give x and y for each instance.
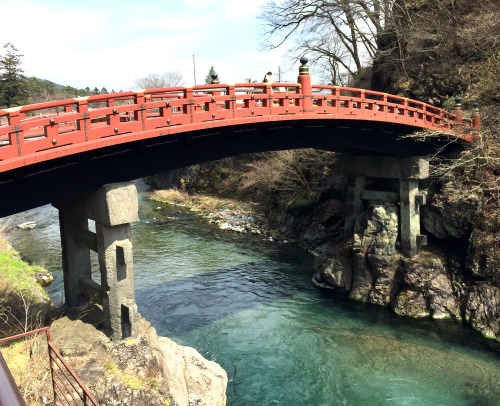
(13, 86)
(208, 79)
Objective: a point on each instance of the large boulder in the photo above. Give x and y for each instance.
(482, 310)
(148, 370)
(427, 289)
(452, 212)
(376, 229)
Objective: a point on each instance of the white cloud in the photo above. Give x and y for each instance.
(111, 43)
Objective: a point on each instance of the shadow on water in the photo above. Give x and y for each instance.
(191, 302)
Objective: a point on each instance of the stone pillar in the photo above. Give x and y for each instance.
(408, 170)
(409, 217)
(75, 255)
(353, 205)
(113, 208)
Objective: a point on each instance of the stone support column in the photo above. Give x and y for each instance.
(408, 171)
(75, 255)
(113, 208)
(354, 205)
(409, 217)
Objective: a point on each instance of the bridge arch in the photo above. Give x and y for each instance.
(92, 141)
(48, 157)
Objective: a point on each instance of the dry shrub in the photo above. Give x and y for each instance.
(28, 361)
(290, 174)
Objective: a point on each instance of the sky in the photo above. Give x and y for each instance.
(110, 43)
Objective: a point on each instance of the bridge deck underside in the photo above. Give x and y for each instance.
(56, 179)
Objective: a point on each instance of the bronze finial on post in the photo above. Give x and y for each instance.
(476, 119)
(457, 110)
(215, 79)
(304, 69)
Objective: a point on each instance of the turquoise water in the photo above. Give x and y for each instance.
(249, 305)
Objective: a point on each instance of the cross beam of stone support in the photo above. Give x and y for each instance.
(113, 207)
(408, 170)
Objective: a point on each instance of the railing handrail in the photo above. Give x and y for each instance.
(85, 396)
(85, 122)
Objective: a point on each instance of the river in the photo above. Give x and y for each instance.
(248, 304)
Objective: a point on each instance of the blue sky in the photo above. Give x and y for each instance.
(112, 43)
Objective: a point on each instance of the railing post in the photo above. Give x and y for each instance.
(476, 120)
(16, 135)
(457, 110)
(51, 362)
(305, 86)
(187, 107)
(140, 102)
(83, 108)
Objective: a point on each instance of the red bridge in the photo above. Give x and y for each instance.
(53, 150)
(101, 140)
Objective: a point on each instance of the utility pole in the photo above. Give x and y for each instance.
(194, 70)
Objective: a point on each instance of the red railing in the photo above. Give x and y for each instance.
(44, 131)
(68, 389)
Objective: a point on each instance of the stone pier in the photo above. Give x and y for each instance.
(113, 207)
(387, 179)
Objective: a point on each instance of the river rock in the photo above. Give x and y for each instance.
(148, 370)
(333, 268)
(426, 281)
(483, 309)
(376, 229)
(28, 225)
(44, 278)
(483, 259)
(362, 278)
(375, 259)
(451, 213)
(410, 303)
(385, 269)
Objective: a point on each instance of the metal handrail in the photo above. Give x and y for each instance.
(67, 387)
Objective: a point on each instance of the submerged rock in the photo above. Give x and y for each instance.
(28, 225)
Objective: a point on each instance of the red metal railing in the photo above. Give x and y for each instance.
(68, 389)
(36, 133)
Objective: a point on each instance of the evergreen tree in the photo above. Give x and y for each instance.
(13, 86)
(95, 91)
(208, 79)
(104, 91)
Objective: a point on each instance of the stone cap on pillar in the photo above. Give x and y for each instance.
(111, 205)
(392, 167)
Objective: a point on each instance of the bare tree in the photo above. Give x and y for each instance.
(339, 35)
(158, 80)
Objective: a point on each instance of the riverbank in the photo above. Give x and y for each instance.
(227, 214)
(24, 304)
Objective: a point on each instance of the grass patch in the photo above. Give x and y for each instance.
(132, 381)
(23, 302)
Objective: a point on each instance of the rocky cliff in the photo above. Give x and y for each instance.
(148, 370)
